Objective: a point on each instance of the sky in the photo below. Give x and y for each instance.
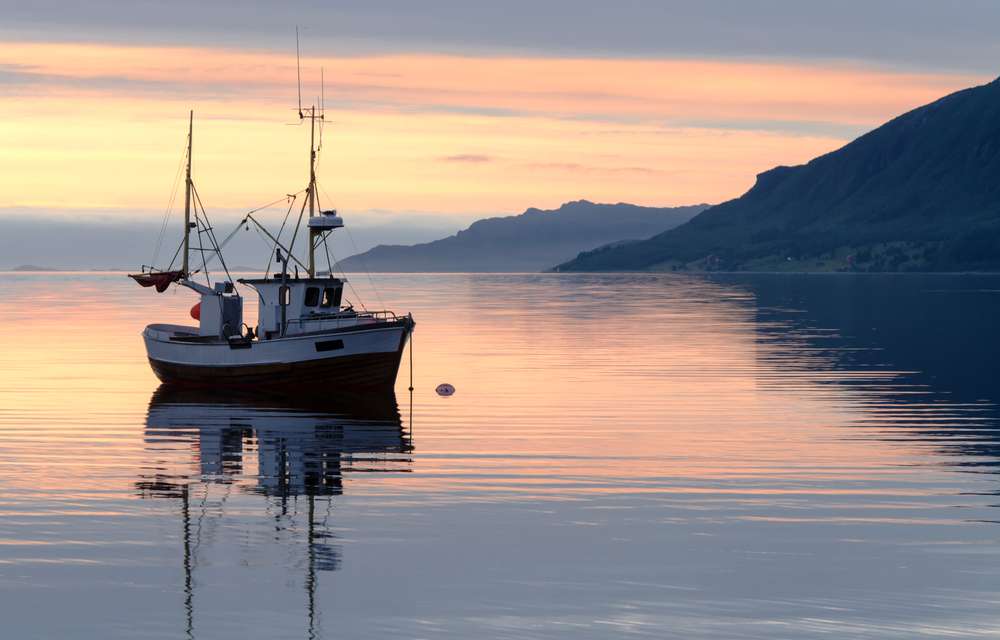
(441, 112)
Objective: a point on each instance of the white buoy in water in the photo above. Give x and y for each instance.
(445, 389)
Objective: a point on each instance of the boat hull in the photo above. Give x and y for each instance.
(362, 360)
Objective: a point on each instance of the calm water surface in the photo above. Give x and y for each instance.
(662, 456)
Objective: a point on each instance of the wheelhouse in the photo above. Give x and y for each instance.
(287, 306)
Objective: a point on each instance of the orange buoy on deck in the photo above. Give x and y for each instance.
(196, 311)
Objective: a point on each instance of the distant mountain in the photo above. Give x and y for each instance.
(532, 241)
(921, 192)
(29, 268)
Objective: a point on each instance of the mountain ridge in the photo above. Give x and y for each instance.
(531, 241)
(919, 193)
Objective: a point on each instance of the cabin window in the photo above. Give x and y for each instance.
(329, 345)
(312, 296)
(331, 297)
(284, 296)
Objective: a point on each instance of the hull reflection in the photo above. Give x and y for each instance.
(272, 451)
(299, 447)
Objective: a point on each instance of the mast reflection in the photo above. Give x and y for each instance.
(275, 447)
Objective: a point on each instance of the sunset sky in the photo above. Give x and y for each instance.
(444, 111)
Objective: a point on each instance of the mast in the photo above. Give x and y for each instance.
(312, 190)
(187, 196)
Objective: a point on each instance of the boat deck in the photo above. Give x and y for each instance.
(168, 331)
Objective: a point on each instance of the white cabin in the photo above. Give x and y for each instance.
(298, 304)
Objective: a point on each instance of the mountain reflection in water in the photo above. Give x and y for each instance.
(921, 355)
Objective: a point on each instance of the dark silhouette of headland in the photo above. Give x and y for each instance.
(919, 193)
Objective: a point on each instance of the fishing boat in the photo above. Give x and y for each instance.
(306, 336)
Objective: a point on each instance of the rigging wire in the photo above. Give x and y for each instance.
(274, 246)
(343, 273)
(210, 232)
(357, 254)
(176, 253)
(271, 238)
(201, 245)
(345, 278)
(326, 247)
(271, 204)
(202, 227)
(222, 245)
(214, 240)
(232, 234)
(295, 234)
(349, 234)
(170, 207)
(267, 243)
(368, 273)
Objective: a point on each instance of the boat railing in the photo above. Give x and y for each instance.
(381, 315)
(345, 318)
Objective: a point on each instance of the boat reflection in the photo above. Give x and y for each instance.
(274, 448)
(300, 448)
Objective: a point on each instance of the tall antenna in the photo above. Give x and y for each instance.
(298, 69)
(322, 105)
(315, 113)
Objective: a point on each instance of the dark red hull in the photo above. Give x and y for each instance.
(371, 371)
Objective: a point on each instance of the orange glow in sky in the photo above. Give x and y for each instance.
(90, 126)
